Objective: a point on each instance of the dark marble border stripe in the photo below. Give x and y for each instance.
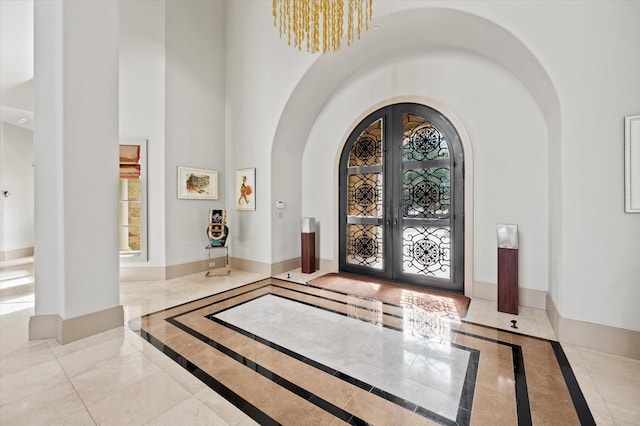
(339, 375)
(485, 338)
(522, 395)
(225, 299)
(271, 284)
(246, 407)
(364, 308)
(579, 402)
(523, 406)
(524, 411)
(502, 330)
(267, 283)
(466, 397)
(578, 399)
(265, 372)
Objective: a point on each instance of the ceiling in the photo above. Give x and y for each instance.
(16, 62)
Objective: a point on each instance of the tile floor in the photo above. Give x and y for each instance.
(117, 377)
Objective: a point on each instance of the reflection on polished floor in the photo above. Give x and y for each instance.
(292, 371)
(255, 346)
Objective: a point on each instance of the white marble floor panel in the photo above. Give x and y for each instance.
(427, 373)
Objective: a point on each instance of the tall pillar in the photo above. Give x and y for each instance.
(308, 242)
(508, 269)
(76, 263)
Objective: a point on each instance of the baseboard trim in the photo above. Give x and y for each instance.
(603, 338)
(286, 265)
(157, 273)
(295, 263)
(133, 273)
(182, 269)
(526, 296)
(251, 266)
(87, 325)
(16, 254)
(44, 327)
(553, 314)
(329, 265)
(487, 291)
(72, 329)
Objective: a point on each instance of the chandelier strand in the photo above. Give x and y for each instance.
(319, 24)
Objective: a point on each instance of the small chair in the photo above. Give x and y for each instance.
(217, 230)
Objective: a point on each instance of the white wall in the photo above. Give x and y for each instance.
(16, 143)
(16, 51)
(195, 108)
(16, 176)
(573, 72)
(261, 72)
(580, 52)
(172, 93)
(510, 166)
(142, 106)
(596, 68)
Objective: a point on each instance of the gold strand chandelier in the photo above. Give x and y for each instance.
(319, 24)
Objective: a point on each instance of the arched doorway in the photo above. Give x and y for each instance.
(402, 198)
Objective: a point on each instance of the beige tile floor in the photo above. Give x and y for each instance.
(118, 378)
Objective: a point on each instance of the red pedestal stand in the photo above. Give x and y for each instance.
(308, 252)
(508, 280)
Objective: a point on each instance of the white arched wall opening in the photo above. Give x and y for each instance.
(468, 180)
(428, 31)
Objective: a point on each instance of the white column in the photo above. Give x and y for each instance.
(76, 169)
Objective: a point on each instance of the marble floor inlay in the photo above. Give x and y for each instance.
(117, 377)
(427, 373)
(290, 353)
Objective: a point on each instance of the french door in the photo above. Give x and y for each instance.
(401, 198)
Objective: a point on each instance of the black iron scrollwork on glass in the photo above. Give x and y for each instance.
(364, 245)
(365, 195)
(426, 193)
(427, 251)
(422, 140)
(425, 138)
(367, 150)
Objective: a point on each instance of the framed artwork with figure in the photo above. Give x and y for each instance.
(245, 189)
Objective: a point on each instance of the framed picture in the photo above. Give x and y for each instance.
(197, 184)
(245, 189)
(632, 164)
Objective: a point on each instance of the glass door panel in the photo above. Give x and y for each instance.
(364, 236)
(426, 251)
(364, 245)
(426, 201)
(398, 198)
